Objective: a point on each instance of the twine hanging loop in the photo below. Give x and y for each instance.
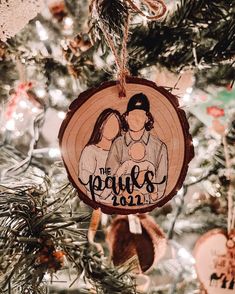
(157, 10)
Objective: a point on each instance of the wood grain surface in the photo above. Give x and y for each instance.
(170, 126)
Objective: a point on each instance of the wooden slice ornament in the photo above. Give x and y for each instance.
(148, 247)
(215, 261)
(127, 155)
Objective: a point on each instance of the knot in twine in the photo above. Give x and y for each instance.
(158, 10)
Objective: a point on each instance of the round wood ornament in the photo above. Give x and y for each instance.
(215, 261)
(126, 155)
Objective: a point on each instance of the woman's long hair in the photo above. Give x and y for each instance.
(97, 132)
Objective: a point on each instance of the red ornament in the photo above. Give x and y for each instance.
(215, 111)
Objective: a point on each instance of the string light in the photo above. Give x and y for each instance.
(54, 152)
(23, 104)
(57, 95)
(68, 22)
(47, 277)
(10, 125)
(42, 33)
(184, 254)
(40, 92)
(34, 109)
(186, 97)
(195, 142)
(61, 82)
(189, 90)
(61, 114)
(68, 25)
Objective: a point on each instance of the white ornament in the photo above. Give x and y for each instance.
(15, 14)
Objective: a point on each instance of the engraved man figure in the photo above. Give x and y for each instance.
(138, 147)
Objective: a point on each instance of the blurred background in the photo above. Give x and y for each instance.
(51, 51)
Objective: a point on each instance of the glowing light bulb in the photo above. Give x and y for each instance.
(40, 92)
(186, 97)
(189, 90)
(42, 33)
(183, 253)
(10, 125)
(56, 95)
(68, 22)
(61, 114)
(195, 142)
(34, 109)
(47, 277)
(23, 104)
(61, 82)
(14, 114)
(54, 152)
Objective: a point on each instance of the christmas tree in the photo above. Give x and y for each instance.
(50, 53)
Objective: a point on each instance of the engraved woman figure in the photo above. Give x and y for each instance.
(94, 155)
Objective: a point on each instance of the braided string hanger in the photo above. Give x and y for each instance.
(157, 8)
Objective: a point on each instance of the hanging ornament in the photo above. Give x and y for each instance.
(215, 250)
(22, 11)
(148, 246)
(125, 144)
(126, 155)
(215, 261)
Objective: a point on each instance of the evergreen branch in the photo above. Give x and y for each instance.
(195, 27)
(32, 247)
